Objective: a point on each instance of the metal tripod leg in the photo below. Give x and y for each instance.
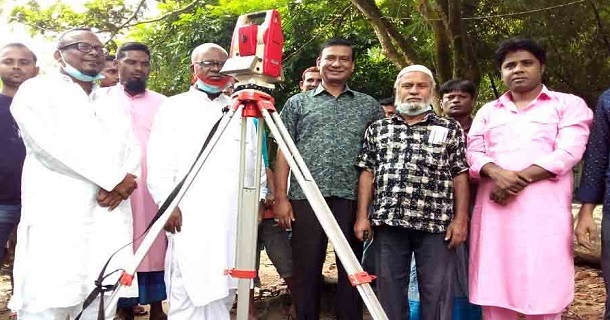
(157, 227)
(247, 217)
(323, 213)
(247, 221)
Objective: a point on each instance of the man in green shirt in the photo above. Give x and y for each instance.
(327, 124)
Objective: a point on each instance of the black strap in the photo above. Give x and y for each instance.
(100, 288)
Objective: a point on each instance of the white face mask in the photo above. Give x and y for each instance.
(413, 109)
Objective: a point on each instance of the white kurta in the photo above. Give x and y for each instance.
(69, 157)
(205, 247)
(117, 123)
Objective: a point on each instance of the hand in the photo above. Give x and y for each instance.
(586, 231)
(363, 230)
(109, 200)
(508, 180)
(127, 186)
(499, 196)
(261, 211)
(283, 213)
(174, 223)
(457, 232)
(269, 200)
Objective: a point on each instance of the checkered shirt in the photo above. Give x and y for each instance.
(414, 166)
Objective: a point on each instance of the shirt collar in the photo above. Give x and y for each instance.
(222, 98)
(66, 78)
(430, 116)
(467, 128)
(320, 88)
(507, 98)
(121, 88)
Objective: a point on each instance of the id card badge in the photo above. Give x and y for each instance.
(438, 135)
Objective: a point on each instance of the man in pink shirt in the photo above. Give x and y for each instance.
(140, 105)
(522, 148)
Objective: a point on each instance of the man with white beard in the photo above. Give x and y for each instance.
(202, 230)
(415, 164)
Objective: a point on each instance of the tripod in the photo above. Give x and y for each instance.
(256, 103)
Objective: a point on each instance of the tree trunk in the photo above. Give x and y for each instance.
(464, 60)
(394, 44)
(442, 43)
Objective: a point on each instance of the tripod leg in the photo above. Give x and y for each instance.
(247, 219)
(359, 278)
(157, 227)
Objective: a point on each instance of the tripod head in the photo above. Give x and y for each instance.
(255, 58)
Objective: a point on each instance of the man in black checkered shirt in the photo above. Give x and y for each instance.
(415, 166)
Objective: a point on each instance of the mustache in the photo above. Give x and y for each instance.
(399, 101)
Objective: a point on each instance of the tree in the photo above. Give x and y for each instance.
(453, 51)
(456, 38)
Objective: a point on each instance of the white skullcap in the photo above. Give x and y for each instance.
(414, 68)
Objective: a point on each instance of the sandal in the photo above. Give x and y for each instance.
(139, 311)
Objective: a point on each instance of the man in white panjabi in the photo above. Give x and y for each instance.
(201, 238)
(75, 179)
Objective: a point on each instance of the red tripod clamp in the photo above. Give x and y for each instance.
(253, 101)
(359, 278)
(126, 279)
(241, 274)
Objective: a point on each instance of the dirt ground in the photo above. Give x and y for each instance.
(588, 304)
(272, 300)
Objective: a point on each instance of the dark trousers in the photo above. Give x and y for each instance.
(435, 272)
(606, 259)
(308, 252)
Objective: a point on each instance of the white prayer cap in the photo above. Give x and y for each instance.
(414, 68)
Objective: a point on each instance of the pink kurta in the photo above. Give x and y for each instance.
(521, 253)
(142, 109)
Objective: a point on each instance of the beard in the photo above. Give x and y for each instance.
(136, 86)
(10, 82)
(412, 108)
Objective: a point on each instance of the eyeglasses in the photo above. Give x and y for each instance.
(85, 47)
(210, 64)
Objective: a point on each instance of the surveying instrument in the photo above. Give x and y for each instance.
(255, 61)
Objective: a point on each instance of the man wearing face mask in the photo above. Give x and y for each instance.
(138, 106)
(415, 164)
(74, 173)
(201, 232)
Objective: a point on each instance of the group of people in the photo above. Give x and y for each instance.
(97, 151)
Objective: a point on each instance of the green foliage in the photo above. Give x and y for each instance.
(577, 36)
(576, 41)
(172, 40)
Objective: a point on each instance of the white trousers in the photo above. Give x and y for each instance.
(181, 307)
(67, 313)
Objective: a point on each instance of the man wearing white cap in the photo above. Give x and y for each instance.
(415, 165)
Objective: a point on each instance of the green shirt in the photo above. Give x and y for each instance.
(329, 131)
